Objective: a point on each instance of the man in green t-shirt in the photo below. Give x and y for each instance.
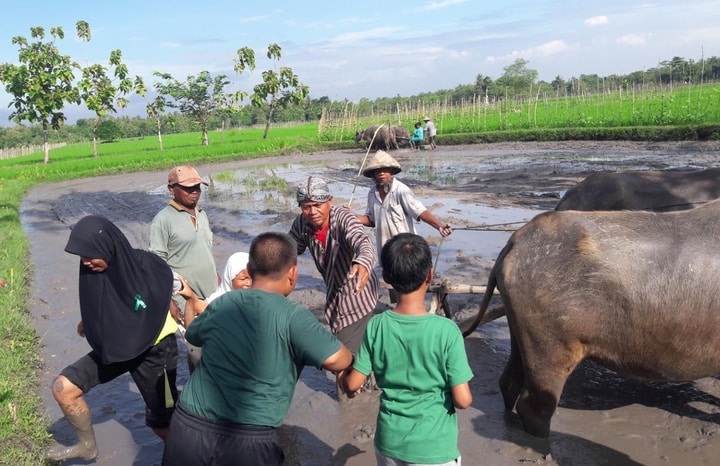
(255, 342)
(419, 363)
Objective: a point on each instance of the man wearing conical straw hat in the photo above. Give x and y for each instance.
(392, 207)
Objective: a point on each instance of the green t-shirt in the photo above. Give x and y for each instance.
(254, 346)
(416, 360)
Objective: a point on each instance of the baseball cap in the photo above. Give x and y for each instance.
(185, 175)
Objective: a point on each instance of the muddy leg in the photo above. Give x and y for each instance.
(513, 377)
(546, 371)
(77, 413)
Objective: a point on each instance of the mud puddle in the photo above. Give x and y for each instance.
(602, 419)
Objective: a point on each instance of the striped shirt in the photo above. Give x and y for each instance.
(347, 243)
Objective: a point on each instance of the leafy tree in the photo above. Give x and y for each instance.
(156, 111)
(518, 77)
(42, 83)
(199, 96)
(108, 130)
(104, 88)
(278, 90)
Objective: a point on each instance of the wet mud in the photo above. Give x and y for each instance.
(602, 418)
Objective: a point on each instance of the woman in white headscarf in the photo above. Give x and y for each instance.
(235, 277)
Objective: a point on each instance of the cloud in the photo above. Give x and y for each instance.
(444, 4)
(352, 37)
(596, 21)
(253, 19)
(547, 49)
(633, 40)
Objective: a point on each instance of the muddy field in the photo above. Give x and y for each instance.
(602, 418)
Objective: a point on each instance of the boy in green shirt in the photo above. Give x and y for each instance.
(419, 362)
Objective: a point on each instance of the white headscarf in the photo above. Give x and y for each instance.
(235, 264)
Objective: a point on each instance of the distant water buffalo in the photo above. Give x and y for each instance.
(387, 137)
(659, 191)
(635, 291)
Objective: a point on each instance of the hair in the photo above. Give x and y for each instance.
(406, 261)
(418, 124)
(271, 255)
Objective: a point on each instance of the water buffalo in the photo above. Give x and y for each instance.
(384, 139)
(401, 134)
(658, 191)
(634, 291)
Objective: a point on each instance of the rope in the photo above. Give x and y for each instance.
(491, 227)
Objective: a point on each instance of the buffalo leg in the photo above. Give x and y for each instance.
(512, 378)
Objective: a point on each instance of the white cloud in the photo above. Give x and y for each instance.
(634, 40)
(377, 33)
(253, 19)
(597, 20)
(547, 49)
(444, 4)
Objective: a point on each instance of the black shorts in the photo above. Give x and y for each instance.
(196, 441)
(154, 373)
(352, 335)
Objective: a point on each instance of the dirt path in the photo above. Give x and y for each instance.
(602, 419)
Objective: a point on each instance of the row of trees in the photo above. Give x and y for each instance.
(44, 81)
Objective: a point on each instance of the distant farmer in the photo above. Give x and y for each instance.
(180, 234)
(430, 131)
(418, 136)
(392, 207)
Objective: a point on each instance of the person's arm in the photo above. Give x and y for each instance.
(339, 361)
(365, 220)
(296, 234)
(462, 397)
(444, 228)
(158, 238)
(351, 381)
(193, 304)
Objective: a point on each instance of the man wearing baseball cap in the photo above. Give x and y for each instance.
(181, 235)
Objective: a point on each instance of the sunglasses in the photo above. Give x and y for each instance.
(188, 189)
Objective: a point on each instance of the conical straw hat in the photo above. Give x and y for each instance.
(382, 159)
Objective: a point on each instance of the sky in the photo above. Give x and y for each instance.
(372, 48)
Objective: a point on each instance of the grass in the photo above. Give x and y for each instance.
(23, 435)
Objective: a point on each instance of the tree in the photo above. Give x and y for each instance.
(42, 83)
(108, 130)
(278, 89)
(518, 77)
(199, 97)
(156, 111)
(104, 88)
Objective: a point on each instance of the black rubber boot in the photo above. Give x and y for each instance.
(85, 449)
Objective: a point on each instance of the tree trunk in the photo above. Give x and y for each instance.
(46, 146)
(159, 134)
(205, 141)
(95, 127)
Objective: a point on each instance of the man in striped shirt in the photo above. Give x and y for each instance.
(344, 255)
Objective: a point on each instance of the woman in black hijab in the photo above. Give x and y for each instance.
(124, 303)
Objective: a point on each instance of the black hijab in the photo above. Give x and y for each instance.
(123, 308)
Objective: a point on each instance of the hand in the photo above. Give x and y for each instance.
(362, 275)
(186, 292)
(81, 329)
(445, 230)
(2, 283)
